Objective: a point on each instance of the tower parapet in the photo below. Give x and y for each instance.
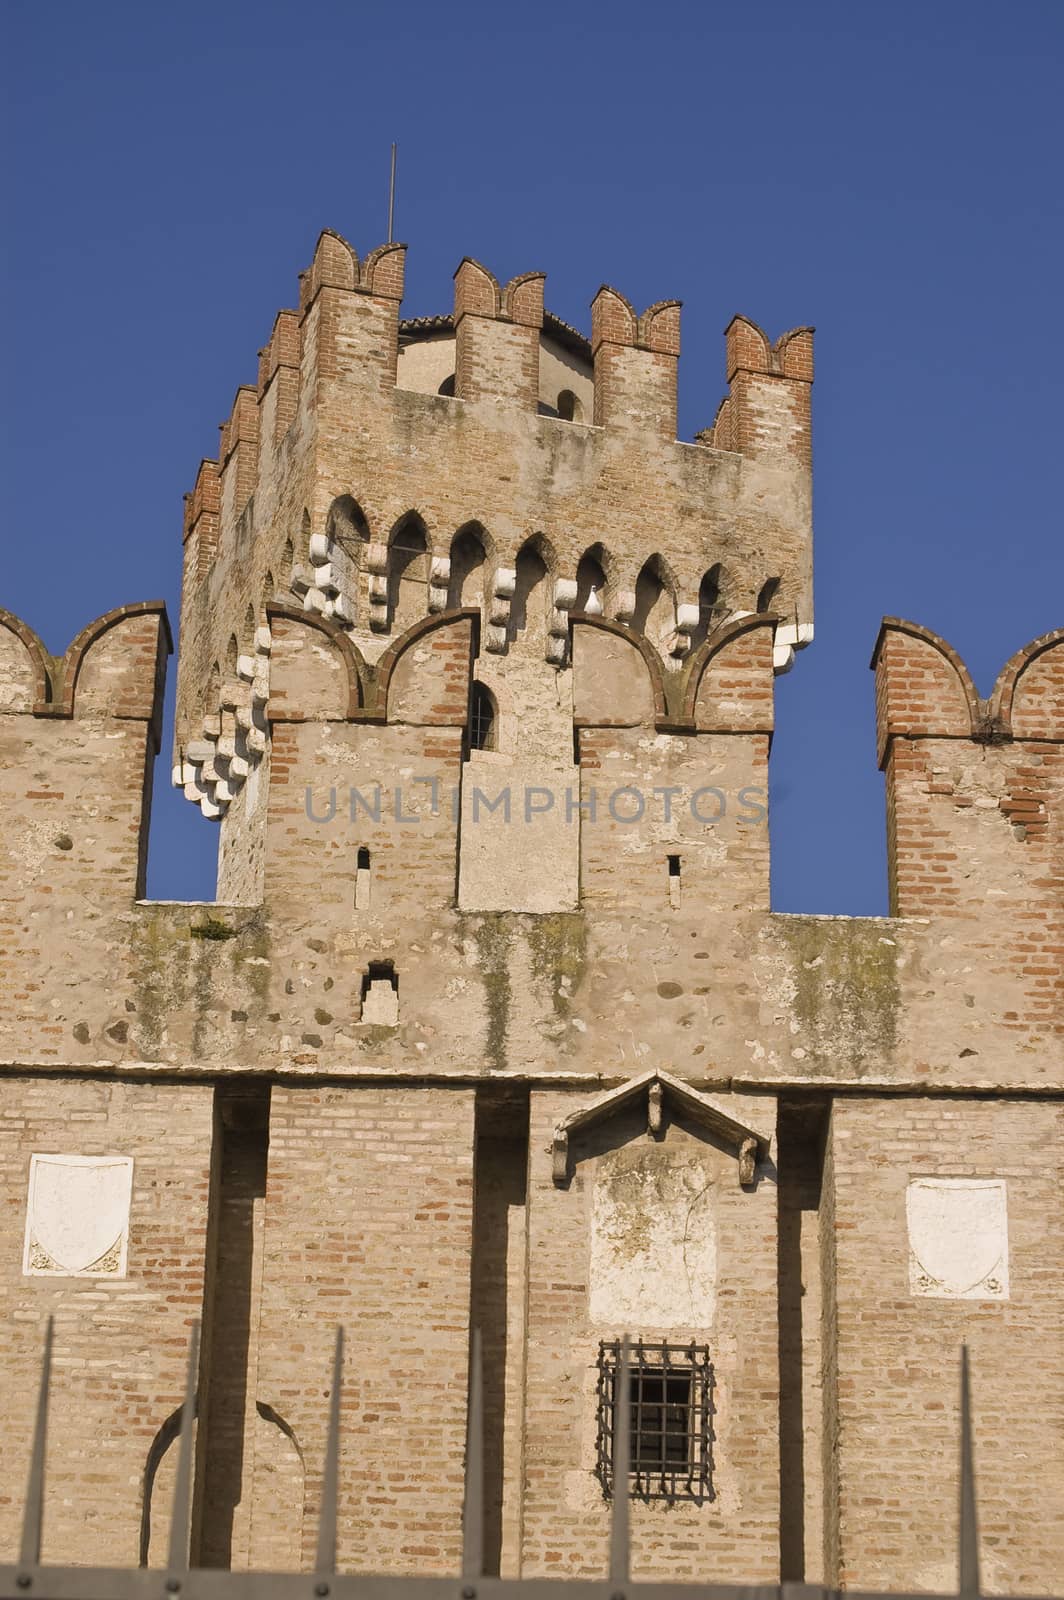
(975, 801)
(379, 473)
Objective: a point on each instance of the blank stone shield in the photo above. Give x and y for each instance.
(958, 1238)
(77, 1216)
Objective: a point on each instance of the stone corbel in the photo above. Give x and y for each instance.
(560, 1156)
(655, 1109)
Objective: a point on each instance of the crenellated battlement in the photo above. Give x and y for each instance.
(78, 735)
(379, 473)
(975, 796)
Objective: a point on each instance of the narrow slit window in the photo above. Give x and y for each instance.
(674, 880)
(362, 878)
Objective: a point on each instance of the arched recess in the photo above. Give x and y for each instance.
(408, 572)
(304, 537)
(655, 600)
(528, 608)
(232, 651)
(766, 595)
(468, 555)
(213, 691)
(591, 581)
(346, 523)
(268, 587)
(711, 605)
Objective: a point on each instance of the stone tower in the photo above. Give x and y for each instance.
(491, 1023)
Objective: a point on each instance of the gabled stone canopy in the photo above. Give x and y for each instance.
(749, 1145)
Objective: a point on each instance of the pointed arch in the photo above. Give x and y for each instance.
(655, 599)
(408, 570)
(528, 608)
(346, 522)
(469, 553)
(592, 581)
(212, 692)
(483, 717)
(712, 606)
(766, 595)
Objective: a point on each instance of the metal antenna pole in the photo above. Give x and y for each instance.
(391, 199)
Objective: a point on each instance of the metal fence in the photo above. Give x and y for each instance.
(29, 1580)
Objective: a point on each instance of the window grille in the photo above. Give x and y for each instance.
(482, 719)
(671, 1412)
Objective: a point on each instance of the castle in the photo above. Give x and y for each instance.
(491, 1024)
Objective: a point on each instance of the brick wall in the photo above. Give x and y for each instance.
(897, 1354)
(369, 1222)
(566, 1519)
(121, 1344)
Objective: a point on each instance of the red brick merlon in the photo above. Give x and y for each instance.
(113, 667)
(925, 691)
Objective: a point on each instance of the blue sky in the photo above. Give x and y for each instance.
(889, 173)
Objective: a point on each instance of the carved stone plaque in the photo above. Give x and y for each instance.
(958, 1238)
(77, 1216)
(653, 1241)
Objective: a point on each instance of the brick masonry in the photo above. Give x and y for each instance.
(340, 1082)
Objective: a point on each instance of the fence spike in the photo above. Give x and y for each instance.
(622, 1456)
(968, 1554)
(473, 1509)
(33, 1515)
(180, 1515)
(330, 1478)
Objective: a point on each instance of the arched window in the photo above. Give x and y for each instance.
(569, 407)
(467, 561)
(590, 583)
(654, 612)
(531, 570)
(407, 572)
(710, 608)
(447, 386)
(346, 523)
(482, 718)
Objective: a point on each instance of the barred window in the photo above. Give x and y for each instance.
(670, 1417)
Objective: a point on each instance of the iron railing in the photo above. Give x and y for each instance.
(29, 1580)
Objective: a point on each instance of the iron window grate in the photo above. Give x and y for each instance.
(670, 1416)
